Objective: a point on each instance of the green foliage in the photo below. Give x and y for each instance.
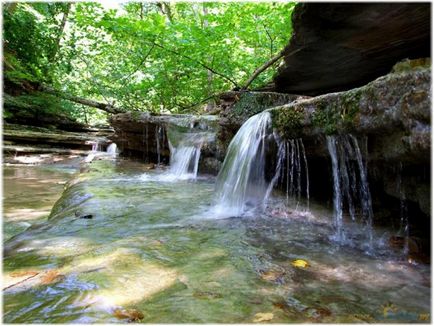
(155, 57)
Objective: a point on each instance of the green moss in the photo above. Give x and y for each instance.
(333, 114)
(410, 65)
(288, 121)
(252, 103)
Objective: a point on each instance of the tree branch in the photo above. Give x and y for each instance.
(266, 65)
(262, 68)
(102, 106)
(198, 62)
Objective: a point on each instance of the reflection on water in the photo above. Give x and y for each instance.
(150, 246)
(29, 193)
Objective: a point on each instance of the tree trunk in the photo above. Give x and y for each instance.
(60, 31)
(80, 100)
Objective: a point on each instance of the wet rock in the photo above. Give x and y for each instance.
(136, 134)
(237, 107)
(132, 315)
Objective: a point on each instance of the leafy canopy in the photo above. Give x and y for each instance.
(144, 56)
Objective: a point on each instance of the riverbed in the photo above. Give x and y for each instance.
(125, 243)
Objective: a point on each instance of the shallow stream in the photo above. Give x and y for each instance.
(127, 244)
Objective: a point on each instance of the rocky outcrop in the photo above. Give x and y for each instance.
(339, 46)
(394, 109)
(145, 136)
(30, 144)
(392, 114)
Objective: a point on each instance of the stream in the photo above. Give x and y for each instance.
(124, 240)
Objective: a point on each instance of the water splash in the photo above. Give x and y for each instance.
(350, 182)
(241, 182)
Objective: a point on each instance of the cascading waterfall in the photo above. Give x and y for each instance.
(241, 181)
(349, 185)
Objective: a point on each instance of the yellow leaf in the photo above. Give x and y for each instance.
(300, 263)
(263, 316)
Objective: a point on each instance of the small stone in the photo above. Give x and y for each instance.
(263, 316)
(130, 314)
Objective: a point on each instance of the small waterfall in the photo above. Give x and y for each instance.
(184, 157)
(291, 158)
(241, 182)
(95, 146)
(157, 139)
(404, 227)
(112, 149)
(350, 182)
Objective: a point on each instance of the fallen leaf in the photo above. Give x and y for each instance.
(51, 276)
(300, 263)
(263, 316)
(130, 314)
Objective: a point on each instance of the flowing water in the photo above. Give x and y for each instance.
(112, 149)
(185, 149)
(350, 183)
(241, 182)
(118, 240)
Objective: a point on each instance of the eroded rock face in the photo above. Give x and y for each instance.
(34, 145)
(339, 46)
(145, 136)
(392, 114)
(395, 110)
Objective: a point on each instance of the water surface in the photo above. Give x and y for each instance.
(124, 238)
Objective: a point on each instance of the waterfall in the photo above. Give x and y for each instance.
(185, 155)
(404, 227)
(291, 158)
(111, 149)
(157, 139)
(241, 182)
(350, 182)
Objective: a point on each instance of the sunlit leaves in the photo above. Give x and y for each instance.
(153, 56)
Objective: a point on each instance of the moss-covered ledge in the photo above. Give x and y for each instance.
(396, 104)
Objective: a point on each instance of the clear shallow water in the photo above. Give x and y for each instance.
(154, 246)
(29, 193)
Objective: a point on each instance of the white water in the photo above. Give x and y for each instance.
(112, 149)
(241, 182)
(350, 182)
(184, 157)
